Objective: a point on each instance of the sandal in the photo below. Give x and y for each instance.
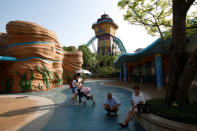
(122, 125)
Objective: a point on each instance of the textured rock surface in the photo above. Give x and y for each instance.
(41, 59)
(39, 55)
(72, 62)
(3, 43)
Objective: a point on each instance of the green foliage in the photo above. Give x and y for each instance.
(99, 65)
(69, 48)
(68, 77)
(185, 114)
(154, 16)
(106, 72)
(45, 74)
(57, 79)
(24, 82)
(9, 83)
(88, 57)
(40, 87)
(148, 13)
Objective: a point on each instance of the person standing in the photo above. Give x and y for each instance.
(74, 87)
(80, 85)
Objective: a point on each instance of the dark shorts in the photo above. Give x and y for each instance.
(73, 89)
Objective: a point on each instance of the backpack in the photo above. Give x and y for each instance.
(71, 85)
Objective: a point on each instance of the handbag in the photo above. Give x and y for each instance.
(143, 108)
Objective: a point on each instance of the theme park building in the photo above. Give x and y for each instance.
(151, 64)
(105, 30)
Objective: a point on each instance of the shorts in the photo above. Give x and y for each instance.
(73, 89)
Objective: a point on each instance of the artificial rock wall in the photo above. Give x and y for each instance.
(39, 58)
(72, 62)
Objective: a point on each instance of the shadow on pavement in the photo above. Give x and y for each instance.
(28, 110)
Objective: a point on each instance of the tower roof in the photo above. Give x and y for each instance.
(105, 18)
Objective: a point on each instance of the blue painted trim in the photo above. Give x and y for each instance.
(137, 53)
(61, 52)
(141, 51)
(7, 58)
(34, 57)
(27, 43)
(125, 73)
(158, 65)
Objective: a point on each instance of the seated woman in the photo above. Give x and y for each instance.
(137, 98)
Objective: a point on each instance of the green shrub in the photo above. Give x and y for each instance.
(24, 82)
(45, 74)
(105, 72)
(68, 77)
(57, 79)
(185, 114)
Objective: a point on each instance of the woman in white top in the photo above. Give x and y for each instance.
(74, 87)
(137, 98)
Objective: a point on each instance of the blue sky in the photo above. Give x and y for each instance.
(71, 20)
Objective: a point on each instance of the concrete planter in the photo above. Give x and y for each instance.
(152, 122)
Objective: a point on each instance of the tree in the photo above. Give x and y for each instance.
(88, 57)
(153, 15)
(156, 18)
(69, 48)
(182, 72)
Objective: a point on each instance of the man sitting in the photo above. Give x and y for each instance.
(111, 104)
(137, 98)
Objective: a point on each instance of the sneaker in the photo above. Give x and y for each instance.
(76, 104)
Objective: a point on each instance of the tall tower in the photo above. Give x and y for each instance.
(105, 29)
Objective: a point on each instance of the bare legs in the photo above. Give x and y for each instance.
(129, 117)
(74, 97)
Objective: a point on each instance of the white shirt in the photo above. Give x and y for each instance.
(73, 83)
(137, 99)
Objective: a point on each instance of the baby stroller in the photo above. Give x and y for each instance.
(85, 92)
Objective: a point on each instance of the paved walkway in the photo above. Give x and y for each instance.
(19, 110)
(67, 117)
